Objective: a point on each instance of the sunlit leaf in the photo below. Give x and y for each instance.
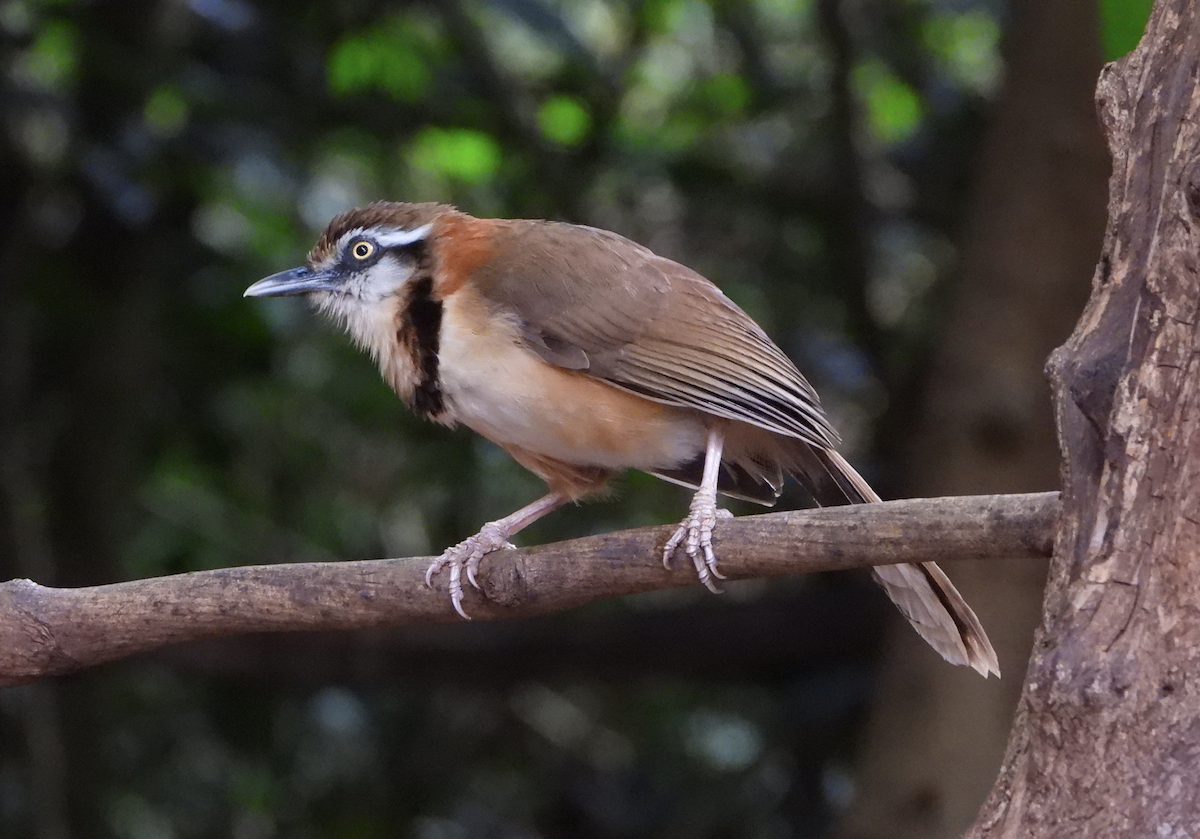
(458, 153)
(564, 120)
(391, 58)
(893, 109)
(968, 48)
(51, 61)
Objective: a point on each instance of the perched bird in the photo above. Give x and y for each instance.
(583, 354)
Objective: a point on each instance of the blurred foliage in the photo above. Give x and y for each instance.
(892, 108)
(158, 157)
(393, 58)
(564, 120)
(1121, 25)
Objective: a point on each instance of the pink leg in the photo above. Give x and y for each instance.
(491, 537)
(695, 533)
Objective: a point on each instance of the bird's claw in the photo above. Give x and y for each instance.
(467, 555)
(695, 535)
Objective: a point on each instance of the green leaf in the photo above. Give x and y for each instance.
(967, 45)
(53, 58)
(727, 93)
(564, 120)
(893, 108)
(463, 154)
(391, 58)
(166, 111)
(1122, 23)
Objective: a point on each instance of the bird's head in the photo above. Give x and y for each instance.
(365, 257)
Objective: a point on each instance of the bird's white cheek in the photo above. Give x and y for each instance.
(368, 308)
(380, 281)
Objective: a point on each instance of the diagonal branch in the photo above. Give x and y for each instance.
(49, 631)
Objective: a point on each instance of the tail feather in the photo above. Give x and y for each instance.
(923, 593)
(926, 597)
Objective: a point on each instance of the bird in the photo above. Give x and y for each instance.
(583, 354)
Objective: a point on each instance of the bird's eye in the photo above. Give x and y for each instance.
(362, 250)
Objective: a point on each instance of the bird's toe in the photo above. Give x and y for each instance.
(695, 534)
(466, 555)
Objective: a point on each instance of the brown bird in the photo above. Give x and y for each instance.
(583, 354)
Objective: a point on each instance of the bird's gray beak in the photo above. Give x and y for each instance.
(302, 280)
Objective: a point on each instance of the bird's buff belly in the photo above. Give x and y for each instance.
(514, 398)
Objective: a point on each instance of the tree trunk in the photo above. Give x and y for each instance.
(1107, 736)
(935, 738)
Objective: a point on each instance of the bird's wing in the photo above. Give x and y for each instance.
(590, 300)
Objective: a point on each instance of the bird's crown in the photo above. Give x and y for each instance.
(382, 218)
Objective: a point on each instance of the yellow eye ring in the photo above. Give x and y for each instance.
(362, 250)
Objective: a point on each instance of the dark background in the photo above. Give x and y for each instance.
(908, 195)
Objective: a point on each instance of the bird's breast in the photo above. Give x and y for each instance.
(492, 383)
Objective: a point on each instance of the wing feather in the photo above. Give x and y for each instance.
(646, 324)
(767, 392)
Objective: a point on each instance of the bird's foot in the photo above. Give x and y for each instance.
(695, 535)
(466, 555)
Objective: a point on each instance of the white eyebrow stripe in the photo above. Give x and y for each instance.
(398, 236)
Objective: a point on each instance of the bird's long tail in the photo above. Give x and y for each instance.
(922, 592)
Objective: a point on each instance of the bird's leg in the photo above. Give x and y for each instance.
(491, 537)
(695, 533)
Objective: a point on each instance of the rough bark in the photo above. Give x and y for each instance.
(1107, 737)
(935, 740)
(45, 631)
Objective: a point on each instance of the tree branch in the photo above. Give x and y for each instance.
(49, 631)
